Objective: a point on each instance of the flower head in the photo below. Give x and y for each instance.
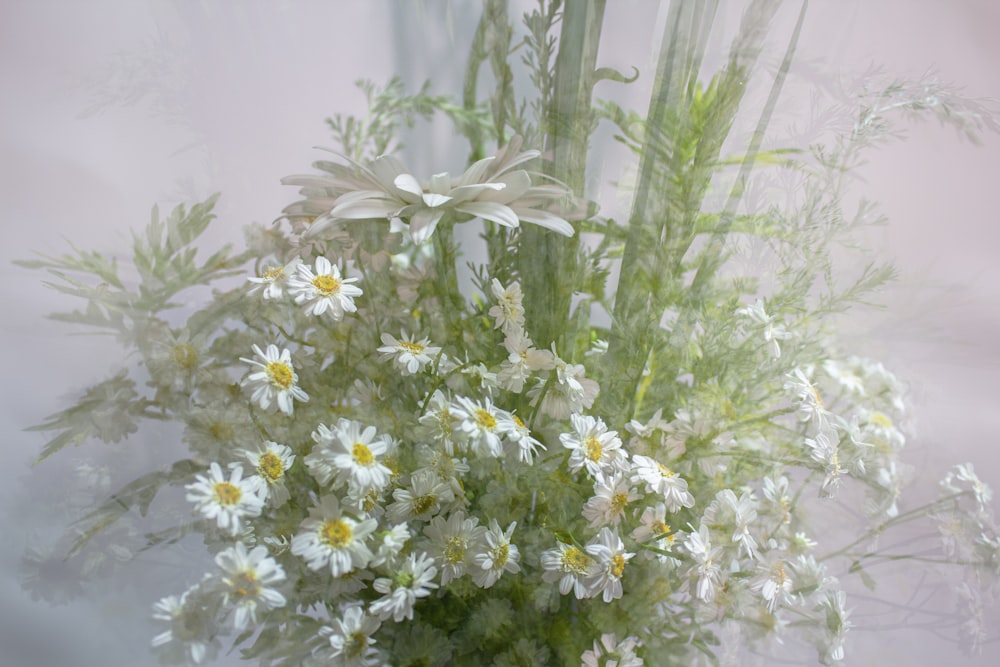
(276, 381)
(226, 500)
(247, 578)
(324, 291)
(491, 189)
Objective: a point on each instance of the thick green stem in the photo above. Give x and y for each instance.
(452, 302)
(547, 262)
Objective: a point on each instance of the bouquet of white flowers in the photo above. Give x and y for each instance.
(474, 419)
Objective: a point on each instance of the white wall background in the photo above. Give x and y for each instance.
(109, 106)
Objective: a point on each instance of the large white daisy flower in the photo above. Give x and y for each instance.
(491, 189)
(276, 381)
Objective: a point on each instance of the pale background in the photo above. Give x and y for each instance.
(108, 106)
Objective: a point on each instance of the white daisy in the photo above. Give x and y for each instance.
(508, 313)
(329, 537)
(521, 444)
(324, 291)
(191, 635)
(612, 495)
(390, 543)
(352, 452)
(491, 189)
(610, 557)
(663, 481)
(226, 501)
(247, 578)
(276, 381)
(451, 541)
(592, 446)
(609, 652)
(706, 563)
(413, 580)
(480, 424)
(653, 527)
(572, 567)
(351, 638)
(271, 463)
(497, 556)
(773, 331)
(408, 355)
(523, 360)
(422, 499)
(272, 281)
(570, 393)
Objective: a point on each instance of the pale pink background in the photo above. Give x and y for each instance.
(230, 97)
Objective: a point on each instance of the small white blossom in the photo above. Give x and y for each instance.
(272, 282)
(609, 652)
(413, 580)
(227, 501)
(276, 382)
(452, 541)
(407, 354)
(610, 557)
(497, 555)
(247, 580)
(663, 481)
(351, 638)
(324, 291)
(572, 567)
(508, 313)
(593, 447)
(329, 538)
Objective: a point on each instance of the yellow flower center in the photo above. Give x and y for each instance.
(454, 550)
(617, 566)
(815, 393)
(227, 494)
(665, 471)
(415, 348)
(356, 645)
(594, 448)
(485, 419)
(245, 584)
(618, 502)
(281, 375)
(221, 431)
(326, 285)
(423, 504)
(500, 555)
(662, 530)
(186, 357)
(778, 574)
(362, 455)
(274, 273)
(270, 466)
(370, 501)
(336, 533)
(880, 419)
(517, 420)
(575, 561)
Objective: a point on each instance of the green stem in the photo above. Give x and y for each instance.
(452, 302)
(547, 261)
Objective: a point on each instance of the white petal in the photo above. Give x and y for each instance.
(364, 209)
(498, 213)
(434, 200)
(440, 183)
(545, 219)
(408, 183)
(423, 224)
